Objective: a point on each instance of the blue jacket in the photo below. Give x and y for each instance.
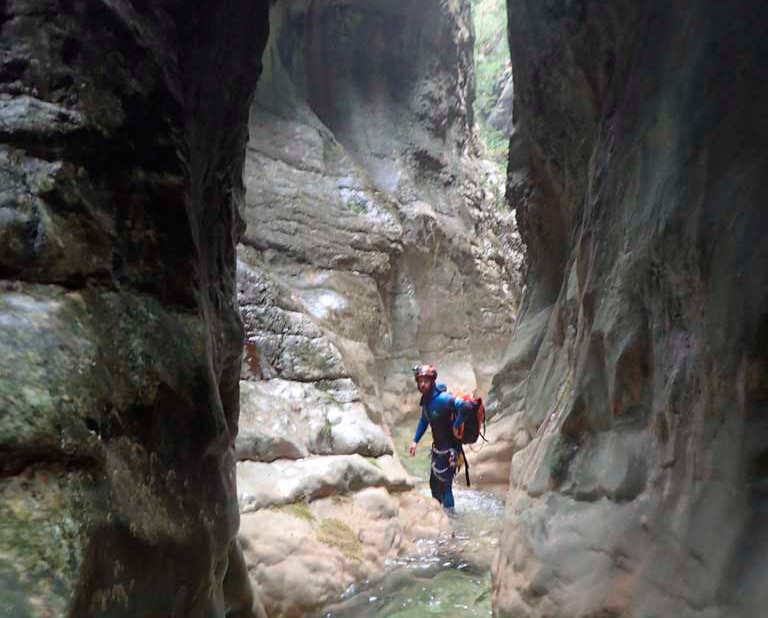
(441, 412)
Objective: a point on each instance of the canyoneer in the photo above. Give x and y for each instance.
(444, 414)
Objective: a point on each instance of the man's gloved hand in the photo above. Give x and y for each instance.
(412, 449)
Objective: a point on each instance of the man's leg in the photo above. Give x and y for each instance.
(447, 479)
(448, 494)
(436, 487)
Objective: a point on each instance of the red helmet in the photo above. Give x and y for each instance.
(424, 370)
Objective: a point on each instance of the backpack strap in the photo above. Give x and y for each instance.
(466, 464)
(481, 431)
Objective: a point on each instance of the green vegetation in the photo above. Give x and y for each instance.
(357, 205)
(492, 69)
(298, 509)
(496, 145)
(336, 533)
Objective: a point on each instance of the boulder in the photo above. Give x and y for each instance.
(305, 556)
(270, 426)
(288, 419)
(284, 481)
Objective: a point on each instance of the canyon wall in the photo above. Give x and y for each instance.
(122, 132)
(367, 202)
(376, 238)
(638, 366)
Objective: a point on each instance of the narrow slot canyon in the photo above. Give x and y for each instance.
(230, 230)
(376, 238)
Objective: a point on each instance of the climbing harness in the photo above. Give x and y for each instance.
(452, 463)
(456, 459)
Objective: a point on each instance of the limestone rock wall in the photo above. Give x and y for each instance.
(638, 368)
(122, 131)
(373, 242)
(365, 198)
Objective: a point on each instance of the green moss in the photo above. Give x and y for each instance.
(357, 206)
(144, 335)
(42, 536)
(561, 459)
(496, 145)
(325, 385)
(46, 335)
(335, 533)
(43, 184)
(298, 509)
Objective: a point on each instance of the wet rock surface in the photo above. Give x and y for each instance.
(120, 340)
(638, 367)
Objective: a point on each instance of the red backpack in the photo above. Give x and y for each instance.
(474, 422)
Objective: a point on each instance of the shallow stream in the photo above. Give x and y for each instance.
(449, 577)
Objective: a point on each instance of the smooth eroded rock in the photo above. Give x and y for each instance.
(304, 556)
(262, 485)
(643, 391)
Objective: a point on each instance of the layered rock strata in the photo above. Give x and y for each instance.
(122, 134)
(639, 366)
